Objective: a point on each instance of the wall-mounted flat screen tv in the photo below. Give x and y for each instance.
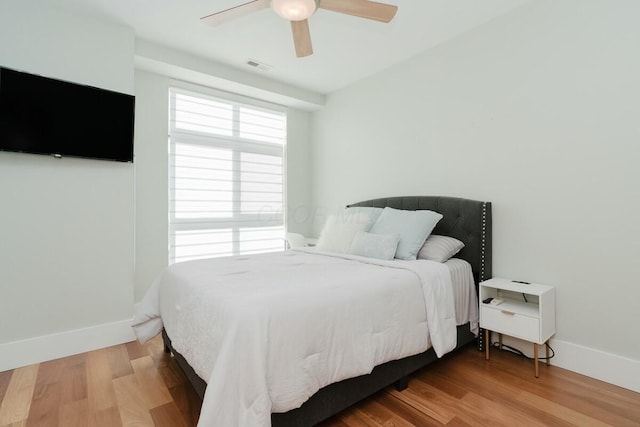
(47, 116)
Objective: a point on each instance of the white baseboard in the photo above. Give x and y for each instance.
(598, 364)
(48, 347)
(607, 367)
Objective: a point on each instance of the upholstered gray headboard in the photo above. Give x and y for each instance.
(466, 220)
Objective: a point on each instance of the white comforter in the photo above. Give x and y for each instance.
(268, 331)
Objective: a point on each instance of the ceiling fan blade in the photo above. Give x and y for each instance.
(302, 38)
(235, 12)
(362, 8)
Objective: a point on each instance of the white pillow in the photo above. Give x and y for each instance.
(381, 246)
(339, 230)
(413, 227)
(440, 248)
(372, 213)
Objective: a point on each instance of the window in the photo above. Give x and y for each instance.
(226, 173)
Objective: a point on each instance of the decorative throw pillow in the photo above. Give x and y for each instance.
(381, 246)
(440, 248)
(339, 230)
(413, 227)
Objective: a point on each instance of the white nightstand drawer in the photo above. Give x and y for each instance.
(510, 323)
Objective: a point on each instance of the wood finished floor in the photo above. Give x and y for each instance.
(134, 385)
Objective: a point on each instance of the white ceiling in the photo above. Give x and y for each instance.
(346, 48)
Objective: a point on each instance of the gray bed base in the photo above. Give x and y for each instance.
(464, 219)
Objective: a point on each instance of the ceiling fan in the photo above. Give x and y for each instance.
(298, 12)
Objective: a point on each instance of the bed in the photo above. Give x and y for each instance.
(467, 220)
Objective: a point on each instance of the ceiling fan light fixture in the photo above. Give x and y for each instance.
(294, 10)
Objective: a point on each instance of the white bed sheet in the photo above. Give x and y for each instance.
(234, 320)
(464, 293)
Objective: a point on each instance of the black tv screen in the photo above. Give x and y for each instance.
(47, 116)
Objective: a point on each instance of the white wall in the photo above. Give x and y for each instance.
(536, 111)
(298, 216)
(152, 175)
(66, 226)
(152, 179)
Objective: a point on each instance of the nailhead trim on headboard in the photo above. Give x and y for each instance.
(483, 242)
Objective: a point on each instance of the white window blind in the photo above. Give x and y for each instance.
(226, 175)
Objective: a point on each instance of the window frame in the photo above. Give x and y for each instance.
(237, 145)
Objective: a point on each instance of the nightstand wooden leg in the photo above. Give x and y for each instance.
(500, 341)
(535, 359)
(487, 344)
(546, 346)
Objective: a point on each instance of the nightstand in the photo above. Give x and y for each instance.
(527, 312)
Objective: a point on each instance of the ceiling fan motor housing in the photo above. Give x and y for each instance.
(295, 10)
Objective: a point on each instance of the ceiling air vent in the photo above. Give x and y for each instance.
(259, 65)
